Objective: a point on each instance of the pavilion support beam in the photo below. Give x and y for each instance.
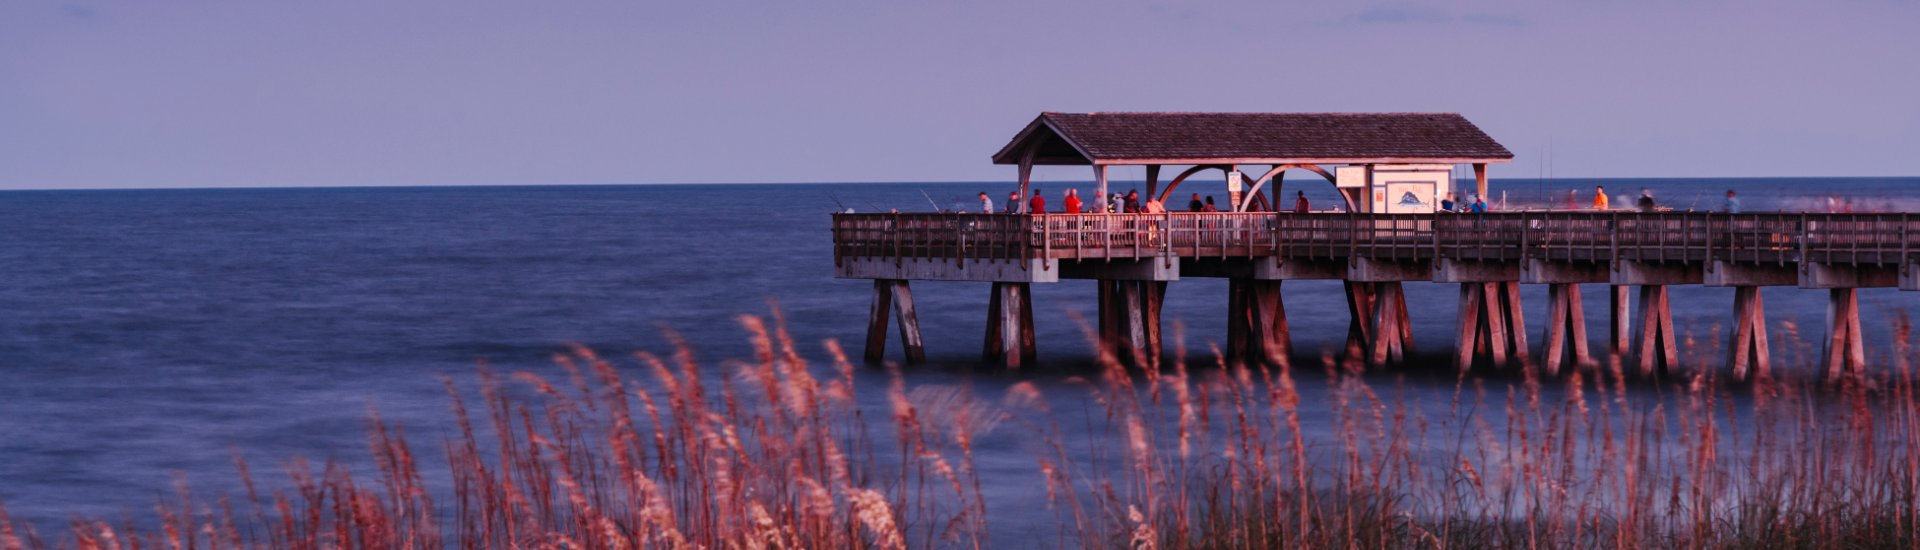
(1747, 354)
(1392, 340)
(1359, 308)
(1099, 186)
(1656, 347)
(1620, 326)
(893, 295)
(1010, 325)
(1480, 179)
(1843, 350)
(1566, 333)
(1153, 180)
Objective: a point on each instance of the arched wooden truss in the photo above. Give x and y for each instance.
(1274, 174)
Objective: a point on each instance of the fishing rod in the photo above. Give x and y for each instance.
(936, 205)
(836, 201)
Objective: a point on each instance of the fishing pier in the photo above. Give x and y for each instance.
(1391, 170)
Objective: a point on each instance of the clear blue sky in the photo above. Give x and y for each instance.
(188, 93)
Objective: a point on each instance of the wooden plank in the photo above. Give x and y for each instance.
(909, 322)
(877, 321)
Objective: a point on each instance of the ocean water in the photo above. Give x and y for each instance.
(149, 334)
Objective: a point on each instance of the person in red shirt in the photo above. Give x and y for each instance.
(1039, 203)
(1073, 202)
(1300, 204)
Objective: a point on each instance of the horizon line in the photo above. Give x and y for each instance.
(870, 182)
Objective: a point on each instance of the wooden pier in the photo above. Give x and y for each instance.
(1392, 171)
(1134, 256)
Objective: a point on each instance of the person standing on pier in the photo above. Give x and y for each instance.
(1072, 202)
(1039, 203)
(1209, 207)
(1194, 205)
(1013, 202)
(1479, 205)
(1599, 197)
(1646, 200)
(1133, 201)
(986, 204)
(1731, 205)
(1300, 205)
(1116, 203)
(1446, 204)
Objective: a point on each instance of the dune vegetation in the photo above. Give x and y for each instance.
(774, 452)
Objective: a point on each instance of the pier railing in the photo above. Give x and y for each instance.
(1779, 238)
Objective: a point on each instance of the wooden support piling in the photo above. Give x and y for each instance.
(1490, 324)
(1269, 328)
(1010, 325)
(1359, 308)
(1748, 350)
(1843, 350)
(1239, 321)
(1153, 295)
(1566, 332)
(1391, 343)
(1656, 347)
(1620, 330)
(893, 295)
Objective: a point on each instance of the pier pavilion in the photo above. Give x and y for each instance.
(1390, 169)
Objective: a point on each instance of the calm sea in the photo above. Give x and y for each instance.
(149, 333)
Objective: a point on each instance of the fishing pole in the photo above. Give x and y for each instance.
(936, 204)
(836, 201)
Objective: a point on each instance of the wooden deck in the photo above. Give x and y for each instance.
(1764, 238)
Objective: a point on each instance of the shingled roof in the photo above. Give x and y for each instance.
(1252, 138)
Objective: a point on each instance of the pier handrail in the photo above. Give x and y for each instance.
(1758, 238)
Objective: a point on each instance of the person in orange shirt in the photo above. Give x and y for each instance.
(1599, 197)
(1072, 202)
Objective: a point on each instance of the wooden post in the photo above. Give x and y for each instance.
(1133, 308)
(909, 322)
(877, 320)
(1359, 307)
(996, 344)
(1012, 320)
(1566, 332)
(1621, 329)
(1269, 328)
(1099, 185)
(1494, 321)
(1480, 180)
(1237, 319)
(1155, 295)
(1153, 181)
(1843, 349)
(894, 295)
(1467, 333)
(1516, 320)
(1656, 346)
(1748, 350)
(1026, 175)
(1389, 317)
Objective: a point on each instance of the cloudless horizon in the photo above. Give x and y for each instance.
(113, 94)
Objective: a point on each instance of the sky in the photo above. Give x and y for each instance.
(196, 93)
